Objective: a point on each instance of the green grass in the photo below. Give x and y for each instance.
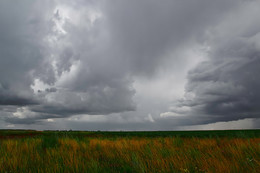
(139, 151)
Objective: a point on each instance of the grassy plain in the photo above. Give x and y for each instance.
(159, 151)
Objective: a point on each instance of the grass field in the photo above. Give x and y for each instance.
(165, 151)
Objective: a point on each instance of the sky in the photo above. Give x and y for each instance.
(129, 64)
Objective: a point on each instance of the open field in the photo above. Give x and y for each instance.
(167, 151)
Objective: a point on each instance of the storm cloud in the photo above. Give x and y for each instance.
(226, 87)
(146, 63)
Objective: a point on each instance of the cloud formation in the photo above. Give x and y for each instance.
(129, 60)
(225, 87)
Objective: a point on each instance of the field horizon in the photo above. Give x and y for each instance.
(130, 151)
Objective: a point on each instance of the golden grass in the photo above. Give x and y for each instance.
(131, 155)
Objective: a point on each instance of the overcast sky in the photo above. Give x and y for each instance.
(129, 64)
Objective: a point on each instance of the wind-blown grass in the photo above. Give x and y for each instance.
(72, 152)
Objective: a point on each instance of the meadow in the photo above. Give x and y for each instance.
(158, 151)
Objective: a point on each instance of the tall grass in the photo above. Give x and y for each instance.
(52, 153)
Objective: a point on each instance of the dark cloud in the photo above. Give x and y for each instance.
(31, 54)
(8, 99)
(226, 87)
(20, 50)
(51, 89)
(63, 58)
(144, 32)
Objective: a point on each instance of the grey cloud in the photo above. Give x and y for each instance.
(226, 87)
(36, 119)
(131, 38)
(9, 99)
(227, 92)
(87, 54)
(20, 50)
(256, 123)
(93, 101)
(26, 121)
(145, 31)
(99, 87)
(51, 89)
